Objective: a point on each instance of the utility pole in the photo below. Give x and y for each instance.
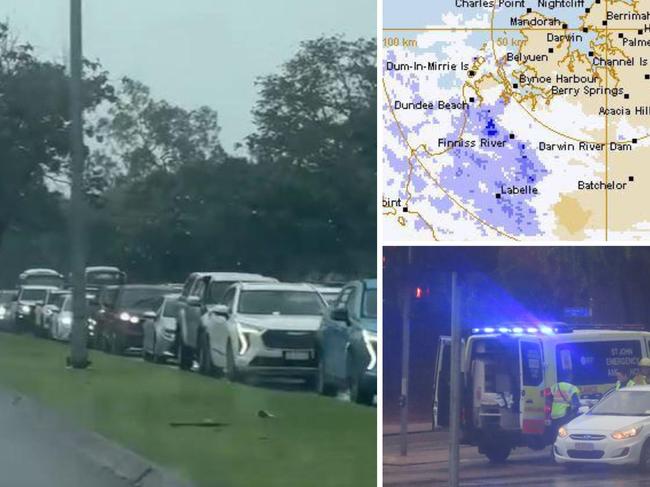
(455, 389)
(406, 349)
(78, 347)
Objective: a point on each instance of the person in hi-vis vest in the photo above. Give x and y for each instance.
(566, 401)
(623, 378)
(642, 378)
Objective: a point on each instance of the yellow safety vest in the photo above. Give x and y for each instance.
(630, 383)
(562, 394)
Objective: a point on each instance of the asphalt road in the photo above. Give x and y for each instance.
(426, 464)
(34, 452)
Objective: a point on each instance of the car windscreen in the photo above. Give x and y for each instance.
(280, 302)
(104, 278)
(140, 298)
(329, 296)
(67, 305)
(624, 403)
(171, 308)
(54, 281)
(216, 291)
(56, 299)
(370, 303)
(588, 363)
(33, 295)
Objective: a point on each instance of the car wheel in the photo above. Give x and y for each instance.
(644, 457)
(146, 356)
(359, 393)
(104, 345)
(232, 374)
(323, 387)
(157, 358)
(116, 344)
(206, 366)
(185, 355)
(497, 453)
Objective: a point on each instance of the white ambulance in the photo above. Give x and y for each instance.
(508, 370)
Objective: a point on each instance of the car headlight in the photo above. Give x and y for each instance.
(242, 331)
(628, 433)
(370, 339)
(66, 320)
(124, 316)
(25, 308)
(562, 432)
(91, 324)
(3, 311)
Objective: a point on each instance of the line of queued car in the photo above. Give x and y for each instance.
(224, 324)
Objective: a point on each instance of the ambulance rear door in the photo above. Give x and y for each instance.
(531, 406)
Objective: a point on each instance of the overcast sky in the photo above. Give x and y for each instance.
(193, 52)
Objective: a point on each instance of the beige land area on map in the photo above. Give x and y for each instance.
(621, 210)
(580, 210)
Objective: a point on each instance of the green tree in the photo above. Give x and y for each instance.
(140, 135)
(34, 136)
(316, 143)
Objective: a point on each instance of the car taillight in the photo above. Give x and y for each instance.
(548, 405)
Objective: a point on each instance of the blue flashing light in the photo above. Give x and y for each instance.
(531, 330)
(546, 330)
(503, 329)
(488, 329)
(476, 330)
(517, 329)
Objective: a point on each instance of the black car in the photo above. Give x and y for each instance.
(119, 317)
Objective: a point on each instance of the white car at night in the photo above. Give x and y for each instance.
(615, 431)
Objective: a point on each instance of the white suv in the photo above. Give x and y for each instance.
(262, 328)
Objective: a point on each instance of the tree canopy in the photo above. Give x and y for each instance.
(164, 198)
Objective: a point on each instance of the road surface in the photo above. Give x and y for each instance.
(426, 465)
(34, 452)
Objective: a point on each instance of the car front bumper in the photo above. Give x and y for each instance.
(605, 451)
(262, 360)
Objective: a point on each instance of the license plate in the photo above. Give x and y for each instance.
(297, 355)
(584, 446)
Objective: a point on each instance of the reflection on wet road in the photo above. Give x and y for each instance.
(426, 464)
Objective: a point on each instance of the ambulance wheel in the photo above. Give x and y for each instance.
(497, 453)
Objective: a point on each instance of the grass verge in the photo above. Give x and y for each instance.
(312, 441)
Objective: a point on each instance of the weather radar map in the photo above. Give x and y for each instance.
(516, 120)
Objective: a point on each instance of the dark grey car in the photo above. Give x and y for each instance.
(347, 343)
